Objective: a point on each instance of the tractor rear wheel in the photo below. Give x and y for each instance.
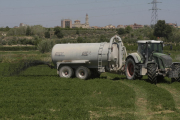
(131, 69)
(177, 68)
(151, 72)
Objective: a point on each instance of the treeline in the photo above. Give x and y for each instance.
(167, 47)
(22, 41)
(5, 29)
(161, 31)
(18, 48)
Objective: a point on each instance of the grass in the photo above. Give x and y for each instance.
(39, 93)
(46, 96)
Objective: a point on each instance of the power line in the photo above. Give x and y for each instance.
(154, 16)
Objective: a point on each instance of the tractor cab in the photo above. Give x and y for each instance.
(146, 48)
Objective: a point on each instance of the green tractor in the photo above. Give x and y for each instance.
(150, 60)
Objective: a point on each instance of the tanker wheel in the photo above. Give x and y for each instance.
(130, 69)
(66, 72)
(83, 72)
(151, 72)
(177, 68)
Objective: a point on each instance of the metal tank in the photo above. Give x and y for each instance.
(101, 56)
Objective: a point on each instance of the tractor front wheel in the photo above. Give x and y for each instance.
(151, 71)
(177, 68)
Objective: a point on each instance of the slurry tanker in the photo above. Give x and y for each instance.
(87, 60)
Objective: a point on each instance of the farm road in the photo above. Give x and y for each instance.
(140, 101)
(173, 92)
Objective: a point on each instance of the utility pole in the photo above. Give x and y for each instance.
(154, 16)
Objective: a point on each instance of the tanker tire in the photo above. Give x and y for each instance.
(83, 73)
(66, 72)
(151, 72)
(176, 67)
(131, 69)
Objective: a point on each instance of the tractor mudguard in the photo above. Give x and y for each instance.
(175, 63)
(135, 56)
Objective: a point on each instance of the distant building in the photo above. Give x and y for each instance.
(15, 27)
(66, 23)
(172, 24)
(110, 27)
(77, 23)
(22, 24)
(146, 26)
(95, 27)
(120, 26)
(135, 26)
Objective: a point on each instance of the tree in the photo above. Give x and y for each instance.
(58, 32)
(121, 31)
(152, 37)
(162, 29)
(102, 38)
(45, 46)
(7, 28)
(128, 29)
(47, 34)
(38, 30)
(79, 40)
(77, 32)
(28, 31)
(60, 35)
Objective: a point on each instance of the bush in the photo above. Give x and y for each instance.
(103, 38)
(4, 42)
(28, 31)
(79, 40)
(38, 30)
(77, 32)
(45, 46)
(9, 42)
(121, 31)
(18, 48)
(17, 31)
(60, 35)
(47, 34)
(58, 32)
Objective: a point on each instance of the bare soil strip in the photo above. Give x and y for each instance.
(174, 93)
(140, 101)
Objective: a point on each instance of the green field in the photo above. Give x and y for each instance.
(38, 93)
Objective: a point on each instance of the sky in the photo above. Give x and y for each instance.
(49, 13)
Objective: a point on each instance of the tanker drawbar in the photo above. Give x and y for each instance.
(87, 60)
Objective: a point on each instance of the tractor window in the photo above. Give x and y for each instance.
(155, 47)
(142, 48)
